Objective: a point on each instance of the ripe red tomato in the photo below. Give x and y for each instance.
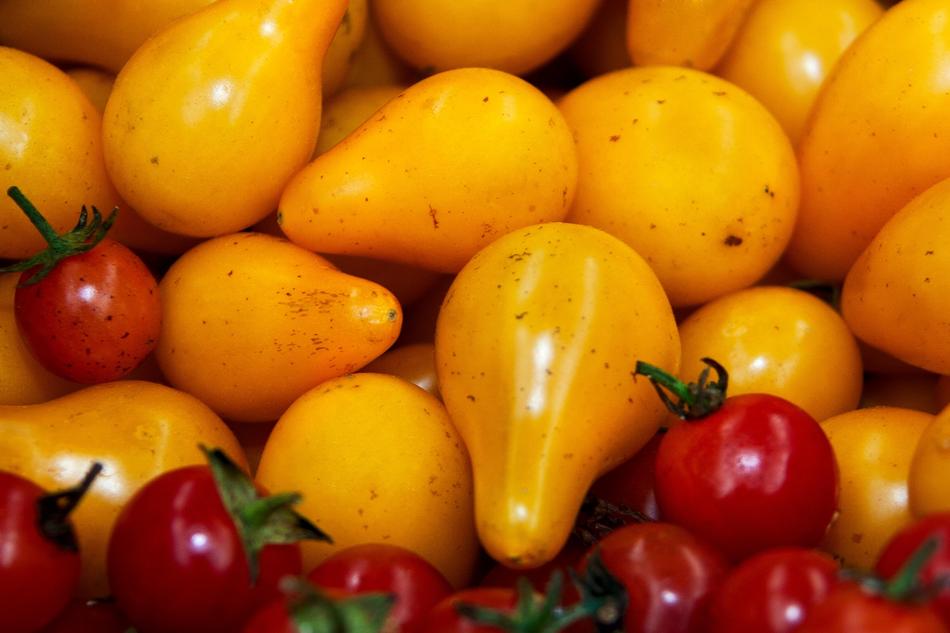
(851, 608)
(39, 556)
(307, 610)
(89, 617)
(633, 483)
(772, 592)
(87, 314)
(746, 473)
(373, 568)
(177, 562)
(444, 618)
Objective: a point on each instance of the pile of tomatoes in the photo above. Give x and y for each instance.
(425, 316)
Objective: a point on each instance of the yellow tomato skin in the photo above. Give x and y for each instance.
(896, 296)
(535, 346)
(22, 379)
(602, 47)
(515, 36)
(377, 460)
(209, 153)
(930, 468)
(873, 448)
(250, 322)
(96, 84)
(348, 110)
(693, 33)
(786, 48)
(917, 391)
(373, 62)
(780, 341)
(457, 160)
(347, 39)
(877, 136)
(687, 169)
(414, 362)
(137, 430)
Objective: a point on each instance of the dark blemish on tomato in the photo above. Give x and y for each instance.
(373, 495)
(929, 253)
(231, 272)
(857, 537)
(520, 315)
(470, 397)
(661, 101)
(392, 314)
(732, 240)
(8, 167)
(154, 160)
(719, 93)
(432, 214)
(614, 138)
(485, 100)
(769, 192)
(926, 280)
(606, 365)
(519, 256)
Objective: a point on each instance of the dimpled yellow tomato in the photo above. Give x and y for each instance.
(511, 35)
(786, 48)
(137, 430)
(536, 344)
(377, 461)
(689, 170)
(897, 295)
(930, 468)
(209, 152)
(873, 448)
(457, 160)
(692, 33)
(877, 137)
(780, 341)
(250, 322)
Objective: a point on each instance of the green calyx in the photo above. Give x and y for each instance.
(259, 520)
(906, 585)
(598, 518)
(53, 510)
(82, 238)
(315, 612)
(694, 400)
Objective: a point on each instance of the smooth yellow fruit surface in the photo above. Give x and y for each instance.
(930, 468)
(347, 39)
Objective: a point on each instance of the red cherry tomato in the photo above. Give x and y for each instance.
(667, 573)
(89, 617)
(903, 544)
(633, 483)
(539, 577)
(39, 556)
(95, 315)
(307, 610)
(772, 592)
(445, 619)
(755, 473)
(274, 618)
(850, 608)
(381, 568)
(177, 563)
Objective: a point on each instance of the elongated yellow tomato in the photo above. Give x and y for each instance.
(693, 33)
(930, 468)
(377, 461)
(689, 170)
(459, 159)
(897, 296)
(209, 152)
(347, 39)
(137, 430)
(877, 137)
(348, 110)
(414, 362)
(250, 322)
(786, 48)
(873, 448)
(780, 341)
(373, 62)
(535, 349)
(511, 35)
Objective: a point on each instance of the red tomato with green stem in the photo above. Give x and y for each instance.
(87, 307)
(39, 554)
(199, 549)
(745, 473)
(309, 610)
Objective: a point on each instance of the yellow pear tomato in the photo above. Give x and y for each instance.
(414, 362)
(931, 467)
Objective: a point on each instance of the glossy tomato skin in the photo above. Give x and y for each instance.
(758, 473)
(633, 483)
(89, 617)
(378, 567)
(94, 317)
(851, 609)
(903, 544)
(37, 577)
(772, 592)
(273, 618)
(669, 576)
(444, 618)
(176, 563)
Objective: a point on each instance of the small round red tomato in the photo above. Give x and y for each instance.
(39, 555)
(87, 307)
(772, 592)
(380, 568)
(667, 573)
(851, 608)
(89, 617)
(745, 473)
(177, 562)
(445, 618)
(633, 483)
(306, 610)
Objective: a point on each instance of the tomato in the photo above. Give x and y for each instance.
(89, 617)
(339, 55)
(929, 467)
(39, 554)
(850, 608)
(901, 548)
(512, 610)
(539, 577)
(413, 362)
(772, 592)
(374, 64)
(747, 472)
(633, 483)
(180, 563)
(376, 567)
(445, 619)
(602, 47)
(311, 611)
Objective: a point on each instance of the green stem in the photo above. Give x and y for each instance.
(907, 580)
(659, 377)
(696, 399)
(53, 510)
(35, 217)
(256, 513)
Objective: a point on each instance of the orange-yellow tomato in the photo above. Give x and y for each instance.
(786, 48)
(873, 448)
(689, 170)
(692, 33)
(931, 468)
(137, 430)
(536, 344)
(877, 137)
(348, 110)
(602, 47)
(374, 64)
(897, 296)
(917, 391)
(414, 362)
(250, 322)
(780, 341)
(348, 37)
(95, 84)
(377, 461)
